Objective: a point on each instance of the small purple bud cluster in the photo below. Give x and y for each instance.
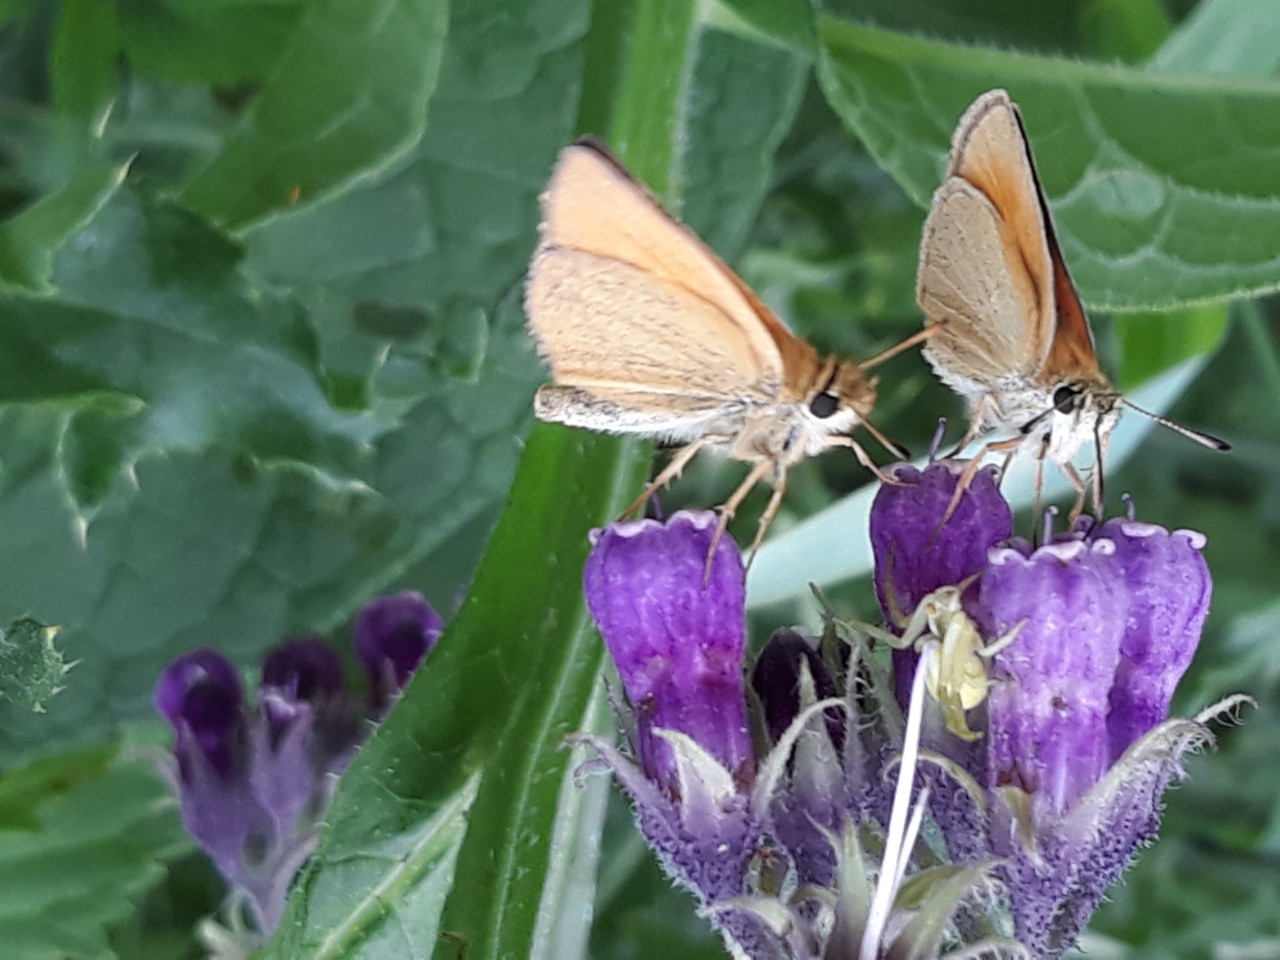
(254, 777)
(1052, 669)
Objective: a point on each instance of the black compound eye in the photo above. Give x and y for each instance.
(1064, 398)
(824, 405)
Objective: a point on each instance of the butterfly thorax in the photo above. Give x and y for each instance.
(829, 397)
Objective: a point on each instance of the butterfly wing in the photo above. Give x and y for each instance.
(986, 268)
(993, 153)
(968, 285)
(628, 305)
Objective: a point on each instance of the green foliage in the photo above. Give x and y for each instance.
(1147, 216)
(81, 836)
(262, 357)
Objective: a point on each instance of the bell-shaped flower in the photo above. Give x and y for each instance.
(676, 632)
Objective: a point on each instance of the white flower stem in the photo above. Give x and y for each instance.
(901, 838)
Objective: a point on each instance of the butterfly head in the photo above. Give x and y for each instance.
(841, 400)
(1080, 411)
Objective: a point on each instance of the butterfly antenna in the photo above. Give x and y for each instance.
(897, 449)
(897, 348)
(1204, 439)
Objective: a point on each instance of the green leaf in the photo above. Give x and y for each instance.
(349, 97)
(1148, 217)
(789, 22)
(155, 313)
(743, 98)
(1151, 343)
(208, 41)
(85, 54)
(1235, 37)
(100, 827)
(222, 444)
(1126, 30)
(29, 240)
(24, 788)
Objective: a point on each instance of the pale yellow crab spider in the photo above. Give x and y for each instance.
(957, 677)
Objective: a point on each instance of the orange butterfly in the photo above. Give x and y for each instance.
(1011, 335)
(648, 333)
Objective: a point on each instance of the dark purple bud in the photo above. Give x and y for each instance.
(776, 681)
(201, 696)
(678, 645)
(305, 668)
(1047, 713)
(914, 552)
(393, 635)
(1169, 590)
(178, 677)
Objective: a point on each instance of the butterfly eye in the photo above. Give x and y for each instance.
(1064, 398)
(824, 405)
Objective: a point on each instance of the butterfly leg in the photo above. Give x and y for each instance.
(771, 511)
(730, 507)
(1100, 444)
(1007, 447)
(669, 472)
(1082, 488)
(840, 440)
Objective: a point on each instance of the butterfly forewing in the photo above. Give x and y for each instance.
(989, 155)
(993, 153)
(620, 295)
(969, 285)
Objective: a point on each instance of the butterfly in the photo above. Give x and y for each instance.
(1011, 335)
(648, 333)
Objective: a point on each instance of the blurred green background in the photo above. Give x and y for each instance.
(262, 357)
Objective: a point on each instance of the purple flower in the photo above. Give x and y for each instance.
(915, 552)
(253, 780)
(220, 757)
(1169, 590)
(1100, 624)
(1048, 705)
(393, 636)
(678, 645)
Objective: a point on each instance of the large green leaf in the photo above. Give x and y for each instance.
(349, 96)
(1148, 216)
(208, 41)
(134, 512)
(85, 51)
(1235, 37)
(29, 240)
(743, 97)
(94, 830)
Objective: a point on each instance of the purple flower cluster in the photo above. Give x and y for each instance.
(254, 777)
(1065, 786)
(1052, 668)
